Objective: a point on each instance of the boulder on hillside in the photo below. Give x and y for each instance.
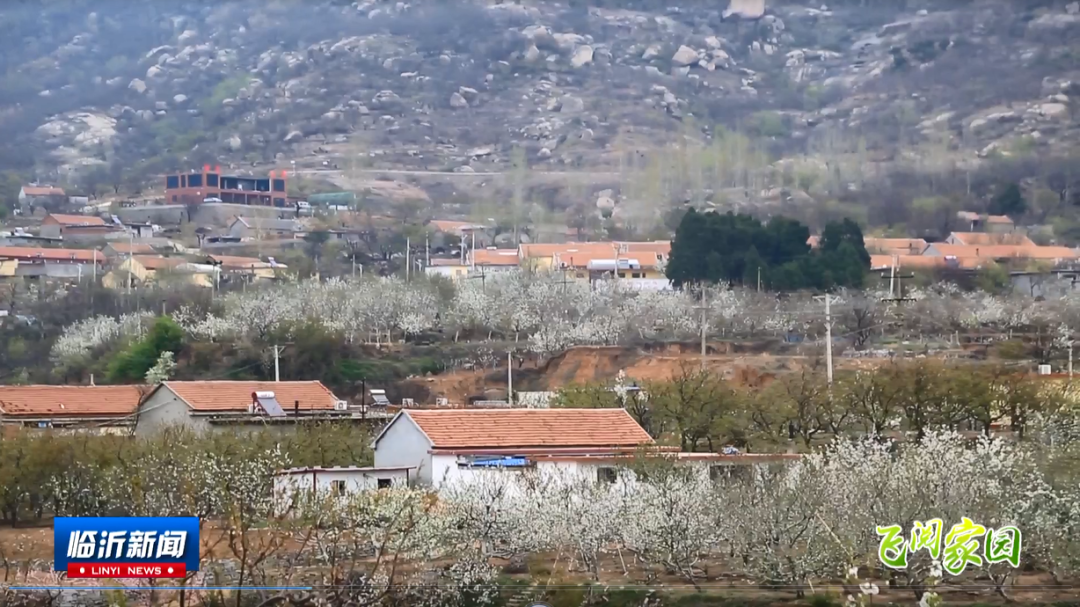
(572, 104)
(745, 9)
(458, 102)
(583, 56)
(684, 56)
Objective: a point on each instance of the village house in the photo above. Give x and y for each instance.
(984, 238)
(34, 197)
(90, 409)
(59, 225)
(206, 405)
(8, 267)
(493, 261)
(265, 228)
(249, 268)
(926, 262)
(447, 268)
(149, 269)
(894, 246)
(478, 264)
(445, 446)
(296, 483)
(641, 264)
(1002, 252)
(998, 224)
(53, 263)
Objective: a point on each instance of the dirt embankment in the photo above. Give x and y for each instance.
(746, 363)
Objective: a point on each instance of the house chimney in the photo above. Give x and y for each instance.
(91, 379)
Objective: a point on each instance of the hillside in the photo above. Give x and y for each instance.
(858, 106)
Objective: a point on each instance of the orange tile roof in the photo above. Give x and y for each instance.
(34, 190)
(564, 250)
(73, 401)
(999, 219)
(495, 257)
(31, 254)
(1005, 251)
(151, 262)
(487, 428)
(984, 238)
(75, 220)
(884, 262)
(225, 396)
(813, 241)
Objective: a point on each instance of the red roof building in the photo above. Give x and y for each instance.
(86, 407)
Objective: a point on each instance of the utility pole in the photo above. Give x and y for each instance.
(618, 251)
(892, 278)
(704, 307)
(277, 367)
(131, 246)
(828, 341)
(759, 279)
(510, 378)
(427, 251)
(896, 286)
(93, 284)
(407, 262)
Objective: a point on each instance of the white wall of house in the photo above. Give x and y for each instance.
(450, 272)
(404, 445)
(446, 470)
(51, 269)
(344, 482)
(494, 269)
(646, 284)
(338, 482)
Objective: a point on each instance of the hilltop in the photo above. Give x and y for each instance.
(860, 107)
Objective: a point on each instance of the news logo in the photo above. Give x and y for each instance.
(126, 547)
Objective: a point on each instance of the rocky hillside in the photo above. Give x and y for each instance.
(830, 91)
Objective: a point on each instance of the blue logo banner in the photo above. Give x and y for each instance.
(136, 540)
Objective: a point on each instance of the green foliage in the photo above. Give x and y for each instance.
(823, 600)
(769, 124)
(711, 247)
(994, 279)
(30, 459)
(131, 364)
(1010, 201)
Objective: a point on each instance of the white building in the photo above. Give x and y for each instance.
(338, 481)
(445, 446)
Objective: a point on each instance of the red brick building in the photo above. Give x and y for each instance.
(194, 188)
